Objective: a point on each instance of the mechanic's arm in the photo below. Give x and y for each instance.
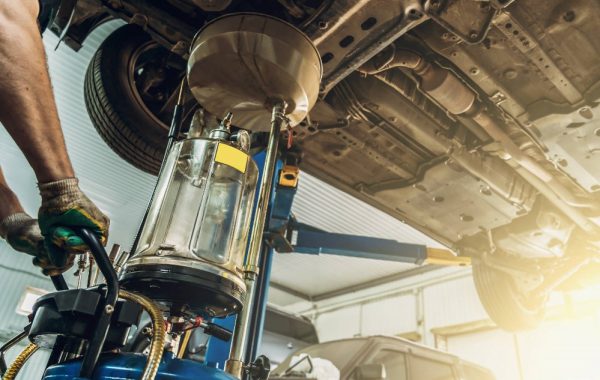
(9, 203)
(22, 232)
(28, 111)
(27, 107)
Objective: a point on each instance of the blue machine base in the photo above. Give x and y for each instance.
(130, 366)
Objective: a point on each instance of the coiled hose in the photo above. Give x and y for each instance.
(158, 332)
(19, 362)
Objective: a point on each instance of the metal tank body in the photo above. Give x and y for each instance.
(130, 366)
(192, 246)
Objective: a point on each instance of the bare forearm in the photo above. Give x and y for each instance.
(9, 203)
(27, 107)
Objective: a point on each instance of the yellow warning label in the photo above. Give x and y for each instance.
(231, 156)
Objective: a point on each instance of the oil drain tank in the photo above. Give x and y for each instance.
(246, 62)
(191, 248)
(190, 252)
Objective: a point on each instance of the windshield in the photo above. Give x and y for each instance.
(339, 353)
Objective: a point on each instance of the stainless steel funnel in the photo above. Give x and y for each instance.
(246, 63)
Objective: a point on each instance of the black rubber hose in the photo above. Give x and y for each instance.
(218, 332)
(112, 292)
(174, 131)
(59, 282)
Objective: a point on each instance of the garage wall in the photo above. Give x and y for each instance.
(390, 316)
(418, 308)
(16, 274)
(566, 346)
(450, 303)
(559, 349)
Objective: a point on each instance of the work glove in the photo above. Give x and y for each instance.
(23, 234)
(65, 209)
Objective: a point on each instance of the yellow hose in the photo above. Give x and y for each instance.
(158, 332)
(184, 342)
(19, 362)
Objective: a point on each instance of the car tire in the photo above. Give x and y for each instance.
(509, 308)
(116, 108)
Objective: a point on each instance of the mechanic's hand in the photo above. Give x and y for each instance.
(23, 234)
(64, 209)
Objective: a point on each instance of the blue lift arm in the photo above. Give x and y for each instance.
(286, 235)
(309, 240)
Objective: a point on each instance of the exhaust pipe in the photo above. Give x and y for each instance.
(452, 94)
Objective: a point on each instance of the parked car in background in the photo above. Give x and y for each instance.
(383, 358)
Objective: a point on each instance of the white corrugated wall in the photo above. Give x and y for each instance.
(416, 307)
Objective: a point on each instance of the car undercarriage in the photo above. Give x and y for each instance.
(475, 122)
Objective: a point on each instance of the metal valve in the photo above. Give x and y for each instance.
(259, 369)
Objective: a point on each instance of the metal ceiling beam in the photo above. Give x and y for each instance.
(376, 282)
(290, 291)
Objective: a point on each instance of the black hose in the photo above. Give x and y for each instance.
(218, 332)
(112, 292)
(174, 130)
(59, 282)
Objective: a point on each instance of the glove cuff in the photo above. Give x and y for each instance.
(13, 221)
(67, 186)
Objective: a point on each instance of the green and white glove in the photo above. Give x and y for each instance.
(65, 209)
(23, 234)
